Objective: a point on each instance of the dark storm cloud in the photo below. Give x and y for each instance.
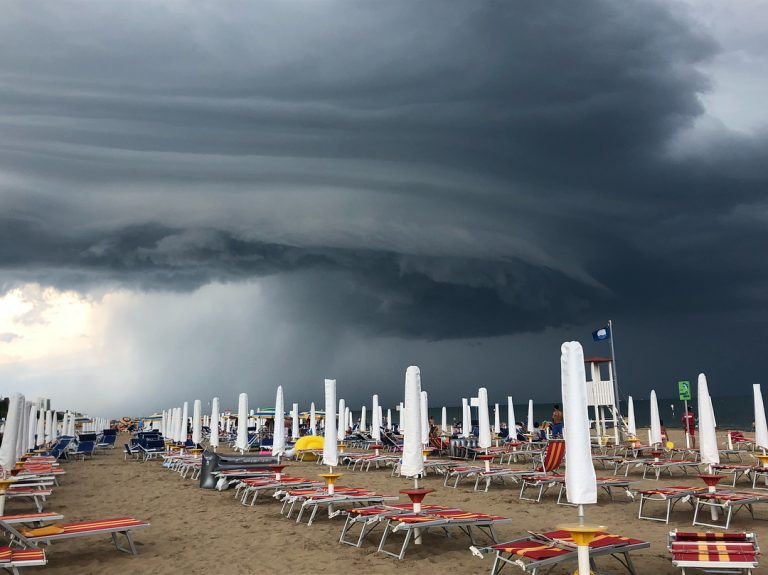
(454, 169)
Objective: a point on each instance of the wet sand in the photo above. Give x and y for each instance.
(198, 531)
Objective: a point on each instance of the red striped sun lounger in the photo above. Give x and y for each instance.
(35, 494)
(368, 518)
(540, 551)
(670, 496)
(119, 526)
(718, 552)
(11, 560)
(464, 521)
(728, 502)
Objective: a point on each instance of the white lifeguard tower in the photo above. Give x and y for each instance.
(602, 398)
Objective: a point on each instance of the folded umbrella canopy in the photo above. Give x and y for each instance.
(196, 429)
(330, 442)
(424, 418)
(580, 481)
(631, 426)
(13, 420)
(413, 459)
(214, 425)
(278, 440)
(655, 420)
(531, 428)
(511, 423)
(466, 419)
(241, 442)
(483, 420)
(761, 429)
(341, 431)
(708, 451)
(375, 421)
(313, 415)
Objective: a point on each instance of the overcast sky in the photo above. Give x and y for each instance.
(199, 199)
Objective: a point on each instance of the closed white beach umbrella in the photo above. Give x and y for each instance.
(184, 421)
(389, 420)
(496, 419)
(375, 421)
(162, 424)
(71, 428)
(708, 447)
(631, 426)
(655, 420)
(214, 424)
(41, 428)
(48, 425)
(530, 416)
(413, 459)
(341, 432)
(10, 435)
(313, 415)
(401, 417)
(181, 428)
(466, 420)
(580, 481)
(363, 422)
(483, 420)
(761, 429)
(424, 419)
(348, 417)
(278, 441)
(196, 415)
(295, 422)
(330, 442)
(511, 422)
(444, 421)
(28, 414)
(241, 442)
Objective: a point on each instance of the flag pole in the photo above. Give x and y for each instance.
(615, 376)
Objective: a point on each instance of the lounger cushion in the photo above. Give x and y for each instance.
(53, 529)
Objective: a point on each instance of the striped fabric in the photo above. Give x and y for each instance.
(554, 455)
(537, 550)
(102, 525)
(708, 549)
(29, 517)
(8, 555)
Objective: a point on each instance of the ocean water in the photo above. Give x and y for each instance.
(734, 412)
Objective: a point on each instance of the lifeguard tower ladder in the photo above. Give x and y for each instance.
(602, 399)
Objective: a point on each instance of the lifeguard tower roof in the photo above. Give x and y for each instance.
(597, 359)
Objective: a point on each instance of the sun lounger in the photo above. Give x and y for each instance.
(550, 461)
(735, 470)
(539, 551)
(314, 498)
(33, 519)
(254, 487)
(407, 523)
(670, 496)
(728, 502)
(35, 494)
(11, 560)
(739, 441)
(56, 532)
(661, 466)
(607, 484)
(368, 518)
(714, 552)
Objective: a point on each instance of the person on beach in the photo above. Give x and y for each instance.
(689, 425)
(557, 421)
(664, 436)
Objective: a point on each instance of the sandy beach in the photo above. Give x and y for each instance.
(196, 531)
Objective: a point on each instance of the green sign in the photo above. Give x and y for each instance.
(684, 387)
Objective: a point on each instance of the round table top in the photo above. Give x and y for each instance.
(711, 479)
(485, 457)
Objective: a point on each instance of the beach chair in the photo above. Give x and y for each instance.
(728, 503)
(735, 470)
(133, 452)
(670, 496)
(464, 521)
(370, 517)
(739, 441)
(37, 494)
(12, 560)
(83, 450)
(543, 476)
(714, 552)
(31, 538)
(537, 552)
(607, 484)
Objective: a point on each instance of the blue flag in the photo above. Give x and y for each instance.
(602, 334)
